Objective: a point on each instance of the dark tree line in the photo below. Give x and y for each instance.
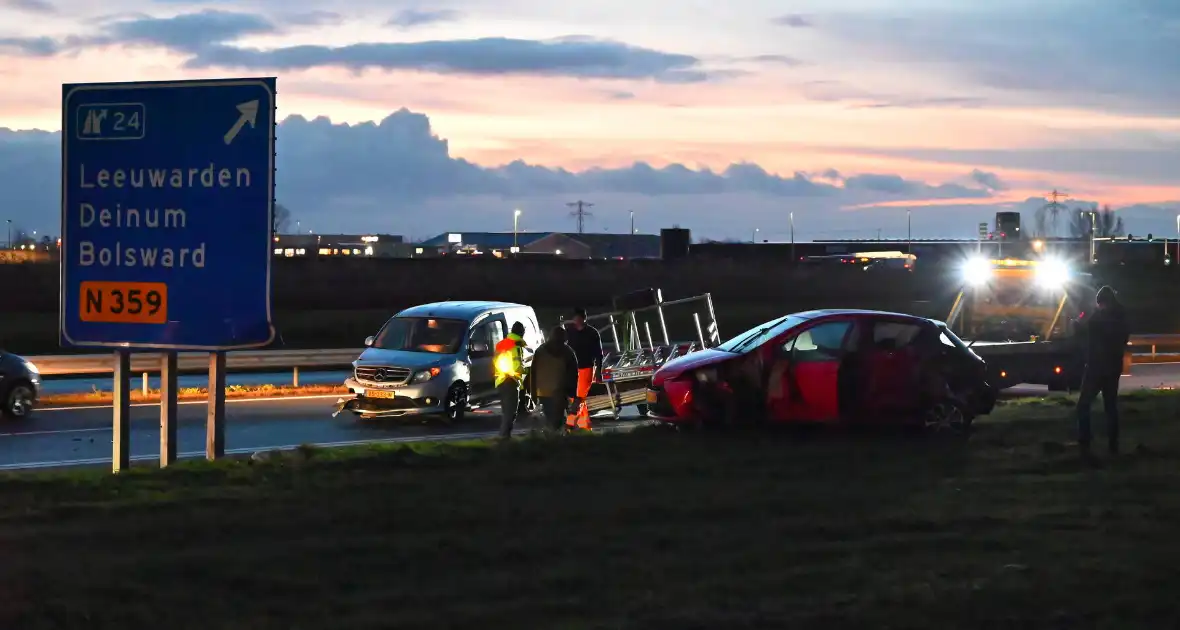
(1105, 222)
(282, 219)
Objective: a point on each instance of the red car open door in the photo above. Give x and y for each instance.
(803, 383)
(891, 369)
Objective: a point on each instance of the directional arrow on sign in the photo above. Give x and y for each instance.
(248, 113)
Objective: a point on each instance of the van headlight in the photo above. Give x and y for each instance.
(1052, 274)
(425, 375)
(706, 376)
(977, 271)
(31, 367)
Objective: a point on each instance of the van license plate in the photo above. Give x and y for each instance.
(380, 393)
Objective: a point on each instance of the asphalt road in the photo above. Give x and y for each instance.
(75, 436)
(58, 436)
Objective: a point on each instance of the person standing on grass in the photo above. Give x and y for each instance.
(1106, 334)
(554, 378)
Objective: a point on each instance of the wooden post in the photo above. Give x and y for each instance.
(121, 429)
(168, 409)
(215, 421)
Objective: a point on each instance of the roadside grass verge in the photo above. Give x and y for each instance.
(99, 397)
(653, 529)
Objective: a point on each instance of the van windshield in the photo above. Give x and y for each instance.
(422, 334)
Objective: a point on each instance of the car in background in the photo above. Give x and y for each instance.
(20, 384)
(828, 366)
(435, 359)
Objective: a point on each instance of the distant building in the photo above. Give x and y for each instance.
(338, 245)
(557, 244)
(621, 245)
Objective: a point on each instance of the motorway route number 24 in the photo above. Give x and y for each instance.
(124, 302)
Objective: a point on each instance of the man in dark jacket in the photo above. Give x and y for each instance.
(1106, 333)
(554, 378)
(587, 346)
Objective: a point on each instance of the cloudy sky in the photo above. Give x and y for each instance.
(724, 117)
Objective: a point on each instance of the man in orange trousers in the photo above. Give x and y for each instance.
(587, 346)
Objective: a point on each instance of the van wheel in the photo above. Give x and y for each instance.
(455, 406)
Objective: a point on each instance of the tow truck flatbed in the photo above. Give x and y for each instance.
(1013, 347)
(1037, 298)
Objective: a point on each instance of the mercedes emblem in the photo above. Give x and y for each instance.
(379, 376)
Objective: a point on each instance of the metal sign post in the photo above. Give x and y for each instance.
(215, 422)
(167, 227)
(168, 408)
(121, 425)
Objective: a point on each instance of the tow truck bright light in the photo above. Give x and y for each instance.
(1052, 274)
(977, 271)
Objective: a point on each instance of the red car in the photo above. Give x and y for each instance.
(829, 366)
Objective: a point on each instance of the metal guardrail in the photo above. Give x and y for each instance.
(1154, 340)
(78, 364)
(149, 362)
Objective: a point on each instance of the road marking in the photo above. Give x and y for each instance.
(200, 402)
(98, 429)
(55, 432)
(452, 437)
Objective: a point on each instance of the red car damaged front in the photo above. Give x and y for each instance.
(670, 396)
(695, 386)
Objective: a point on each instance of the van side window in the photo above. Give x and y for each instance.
(489, 333)
(496, 332)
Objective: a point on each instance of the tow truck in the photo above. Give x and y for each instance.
(637, 354)
(1020, 316)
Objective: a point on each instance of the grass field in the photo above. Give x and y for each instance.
(649, 530)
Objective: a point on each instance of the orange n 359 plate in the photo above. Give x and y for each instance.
(123, 302)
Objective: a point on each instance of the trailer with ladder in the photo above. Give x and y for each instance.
(637, 352)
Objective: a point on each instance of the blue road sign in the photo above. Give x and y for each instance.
(167, 210)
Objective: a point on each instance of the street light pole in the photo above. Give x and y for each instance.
(1093, 230)
(792, 237)
(909, 229)
(754, 236)
(515, 223)
(631, 237)
(10, 230)
(1178, 240)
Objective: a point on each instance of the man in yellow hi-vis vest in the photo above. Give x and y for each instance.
(510, 373)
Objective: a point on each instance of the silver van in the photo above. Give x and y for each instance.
(435, 359)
